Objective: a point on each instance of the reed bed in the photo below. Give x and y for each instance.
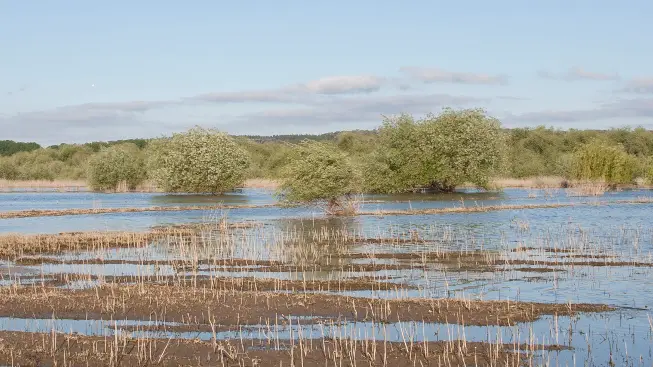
(123, 349)
(490, 208)
(588, 189)
(243, 278)
(42, 185)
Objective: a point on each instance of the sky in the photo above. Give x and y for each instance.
(76, 70)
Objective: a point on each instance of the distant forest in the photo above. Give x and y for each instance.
(538, 151)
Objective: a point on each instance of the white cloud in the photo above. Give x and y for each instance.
(304, 93)
(345, 84)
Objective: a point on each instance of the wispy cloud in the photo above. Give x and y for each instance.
(303, 93)
(627, 108)
(642, 85)
(360, 109)
(93, 121)
(436, 75)
(345, 84)
(577, 74)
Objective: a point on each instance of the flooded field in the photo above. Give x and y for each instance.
(512, 278)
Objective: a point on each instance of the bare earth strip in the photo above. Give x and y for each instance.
(226, 307)
(471, 209)
(63, 212)
(38, 349)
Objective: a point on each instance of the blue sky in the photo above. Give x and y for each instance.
(75, 71)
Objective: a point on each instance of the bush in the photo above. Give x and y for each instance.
(439, 152)
(648, 171)
(599, 161)
(8, 170)
(320, 173)
(198, 161)
(114, 166)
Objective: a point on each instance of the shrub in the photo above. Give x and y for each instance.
(599, 161)
(8, 170)
(197, 161)
(648, 171)
(439, 152)
(114, 166)
(321, 174)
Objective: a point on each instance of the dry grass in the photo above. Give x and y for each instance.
(68, 349)
(544, 182)
(13, 245)
(63, 212)
(224, 306)
(41, 185)
(80, 185)
(588, 189)
(490, 208)
(198, 295)
(261, 183)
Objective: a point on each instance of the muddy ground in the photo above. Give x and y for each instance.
(169, 303)
(28, 349)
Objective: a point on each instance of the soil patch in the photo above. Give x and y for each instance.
(235, 308)
(19, 348)
(90, 211)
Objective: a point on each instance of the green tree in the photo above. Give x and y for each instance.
(600, 161)
(439, 152)
(8, 170)
(319, 173)
(115, 165)
(648, 170)
(9, 147)
(198, 161)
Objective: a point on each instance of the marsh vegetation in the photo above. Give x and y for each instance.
(391, 248)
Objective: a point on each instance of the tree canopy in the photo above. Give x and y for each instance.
(198, 161)
(319, 172)
(116, 165)
(438, 152)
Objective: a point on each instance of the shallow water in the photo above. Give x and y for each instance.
(622, 232)
(622, 337)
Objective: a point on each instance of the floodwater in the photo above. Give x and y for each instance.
(609, 232)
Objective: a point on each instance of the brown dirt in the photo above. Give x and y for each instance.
(63, 212)
(232, 307)
(16, 245)
(28, 349)
(13, 245)
(537, 270)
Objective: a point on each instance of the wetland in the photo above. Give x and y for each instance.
(508, 278)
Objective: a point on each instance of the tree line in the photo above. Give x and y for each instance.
(437, 152)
